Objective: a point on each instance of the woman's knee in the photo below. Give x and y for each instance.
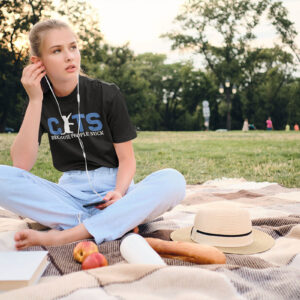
(8, 171)
(4, 170)
(173, 180)
(8, 175)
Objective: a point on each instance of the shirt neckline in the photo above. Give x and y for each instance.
(69, 97)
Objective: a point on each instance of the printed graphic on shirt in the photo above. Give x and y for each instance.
(67, 124)
(66, 128)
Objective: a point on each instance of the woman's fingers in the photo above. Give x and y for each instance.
(102, 206)
(40, 76)
(108, 203)
(31, 68)
(110, 198)
(31, 79)
(34, 72)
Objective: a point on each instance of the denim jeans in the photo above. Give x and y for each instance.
(59, 205)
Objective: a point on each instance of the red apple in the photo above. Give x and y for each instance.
(84, 249)
(94, 260)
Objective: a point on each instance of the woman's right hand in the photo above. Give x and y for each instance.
(31, 80)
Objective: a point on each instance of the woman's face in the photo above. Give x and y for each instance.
(60, 55)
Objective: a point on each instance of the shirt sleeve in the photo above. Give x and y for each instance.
(121, 127)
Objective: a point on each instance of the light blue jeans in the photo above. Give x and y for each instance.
(59, 205)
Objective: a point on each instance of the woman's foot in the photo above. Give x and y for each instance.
(28, 237)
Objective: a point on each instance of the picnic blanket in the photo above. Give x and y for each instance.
(274, 274)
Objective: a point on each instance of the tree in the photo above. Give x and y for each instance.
(152, 68)
(159, 96)
(119, 65)
(184, 89)
(293, 90)
(269, 69)
(85, 21)
(231, 23)
(285, 28)
(16, 19)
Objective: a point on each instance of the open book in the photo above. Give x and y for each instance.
(21, 268)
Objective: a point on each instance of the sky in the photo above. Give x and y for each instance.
(141, 22)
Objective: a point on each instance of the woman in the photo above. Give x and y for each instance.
(269, 124)
(90, 136)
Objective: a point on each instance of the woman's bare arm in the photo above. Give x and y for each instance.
(25, 146)
(126, 171)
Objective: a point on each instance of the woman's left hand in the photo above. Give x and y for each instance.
(110, 198)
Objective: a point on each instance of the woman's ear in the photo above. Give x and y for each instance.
(34, 59)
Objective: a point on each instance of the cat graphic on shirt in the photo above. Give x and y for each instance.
(67, 124)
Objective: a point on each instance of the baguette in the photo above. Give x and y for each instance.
(192, 252)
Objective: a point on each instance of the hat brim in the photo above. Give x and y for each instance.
(261, 241)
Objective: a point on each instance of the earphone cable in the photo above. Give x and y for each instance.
(79, 139)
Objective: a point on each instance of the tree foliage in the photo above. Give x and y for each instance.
(85, 21)
(163, 96)
(16, 19)
(222, 32)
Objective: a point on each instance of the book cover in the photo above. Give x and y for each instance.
(21, 268)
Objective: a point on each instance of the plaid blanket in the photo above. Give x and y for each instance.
(274, 274)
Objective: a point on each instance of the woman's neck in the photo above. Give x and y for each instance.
(62, 89)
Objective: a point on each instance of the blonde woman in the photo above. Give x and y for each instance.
(90, 136)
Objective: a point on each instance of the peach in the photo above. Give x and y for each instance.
(84, 249)
(94, 260)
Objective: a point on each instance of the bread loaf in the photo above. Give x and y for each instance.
(192, 252)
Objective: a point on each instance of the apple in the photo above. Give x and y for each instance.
(84, 249)
(94, 260)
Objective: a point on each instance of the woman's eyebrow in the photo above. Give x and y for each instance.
(54, 46)
(74, 42)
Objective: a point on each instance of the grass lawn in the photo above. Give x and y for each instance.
(200, 156)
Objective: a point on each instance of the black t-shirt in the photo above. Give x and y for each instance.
(104, 120)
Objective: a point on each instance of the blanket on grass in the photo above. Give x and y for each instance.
(274, 274)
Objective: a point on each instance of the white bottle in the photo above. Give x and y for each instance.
(135, 250)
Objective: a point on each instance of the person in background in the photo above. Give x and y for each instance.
(252, 127)
(269, 124)
(287, 127)
(296, 127)
(245, 125)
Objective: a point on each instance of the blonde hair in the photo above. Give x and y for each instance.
(37, 31)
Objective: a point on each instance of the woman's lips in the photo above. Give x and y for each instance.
(71, 69)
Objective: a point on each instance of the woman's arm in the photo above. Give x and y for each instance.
(25, 146)
(127, 166)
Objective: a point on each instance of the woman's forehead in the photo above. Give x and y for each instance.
(58, 37)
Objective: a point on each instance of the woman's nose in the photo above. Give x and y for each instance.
(69, 56)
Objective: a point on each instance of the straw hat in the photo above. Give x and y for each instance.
(227, 227)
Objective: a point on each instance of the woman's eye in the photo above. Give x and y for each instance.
(56, 51)
(74, 47)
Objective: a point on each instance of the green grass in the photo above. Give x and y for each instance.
(200, 156)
